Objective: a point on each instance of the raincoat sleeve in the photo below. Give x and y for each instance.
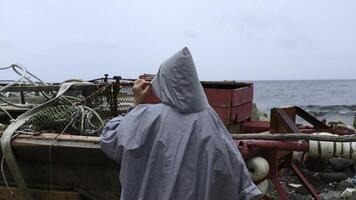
(109, 140)
(249, 190)
(129, 132)
(232, 176)
(251, 193)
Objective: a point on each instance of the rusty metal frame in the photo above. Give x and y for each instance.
(283, 120)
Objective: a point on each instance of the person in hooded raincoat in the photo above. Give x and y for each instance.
(178, 149)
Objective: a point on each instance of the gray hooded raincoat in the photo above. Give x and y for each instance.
(178, 149)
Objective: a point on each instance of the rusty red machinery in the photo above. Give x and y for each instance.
(279, 153)
(233, 102)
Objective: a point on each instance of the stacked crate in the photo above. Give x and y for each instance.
(231, 100)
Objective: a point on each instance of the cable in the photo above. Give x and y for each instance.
(7, 113)
(24, 74)
(4, 177)
(3, 173)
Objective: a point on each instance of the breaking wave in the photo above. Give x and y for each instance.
(321, 110)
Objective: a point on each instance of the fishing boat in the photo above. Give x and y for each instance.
(50, 136)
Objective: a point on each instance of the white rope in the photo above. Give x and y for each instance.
(4, 177)
(7, 113)
(3, 173)
(24, 75)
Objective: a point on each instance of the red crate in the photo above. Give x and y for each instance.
(232, 101)
(241, 112)
(242, 96)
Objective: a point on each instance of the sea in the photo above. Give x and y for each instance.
(325, 99)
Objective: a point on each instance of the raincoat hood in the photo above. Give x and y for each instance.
(177, 83)
(178, 149)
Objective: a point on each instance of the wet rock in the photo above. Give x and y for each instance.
(352, 180)
(328, 190)
(258, 115)
(330, 195)
(342, 185)
(348, 193)
(339, 164)
(328, 169)
(354, 166)
(349, 171)
(334, 176)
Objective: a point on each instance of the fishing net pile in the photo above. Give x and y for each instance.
(75, 107)
(75, 119)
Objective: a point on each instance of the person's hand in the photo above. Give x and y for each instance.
(140, 90)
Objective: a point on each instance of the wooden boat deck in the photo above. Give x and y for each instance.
(69, 163)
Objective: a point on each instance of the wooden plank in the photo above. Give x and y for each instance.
(241, 112)
(73, 149)
(242, 96)
(5, 194)
(63, 137)
(218, 97)
(50, 139)
(14, 109)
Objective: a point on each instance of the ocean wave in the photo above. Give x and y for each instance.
(320, 110)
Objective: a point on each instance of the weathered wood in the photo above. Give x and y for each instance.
(5, 194)
(51, 139)
(10, 108)
(94, 142)
(75, 163)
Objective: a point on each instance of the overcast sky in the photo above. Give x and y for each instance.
(229, 40)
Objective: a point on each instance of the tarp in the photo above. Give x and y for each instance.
(178, 149)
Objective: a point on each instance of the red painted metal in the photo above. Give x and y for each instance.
(218, 97)
(232, 101)
(254, 126)
(283, 120)
(305, 181)
(276, 164)
(246, 151)
(278, 145)
(241, 112)
(278, 186)
(279, 153)
(233, 104)
(242, 95)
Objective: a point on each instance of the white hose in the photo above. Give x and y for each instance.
(325, 149)
(258, 168)
(24, 75)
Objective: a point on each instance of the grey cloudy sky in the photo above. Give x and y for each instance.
(237, 39)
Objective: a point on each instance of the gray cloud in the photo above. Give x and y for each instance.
(244, 39)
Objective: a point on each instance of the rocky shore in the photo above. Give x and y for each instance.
(336, 181)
